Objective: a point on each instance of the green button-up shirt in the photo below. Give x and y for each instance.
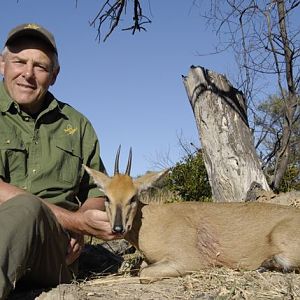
(45, 155)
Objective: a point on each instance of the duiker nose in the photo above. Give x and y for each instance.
(118, 229)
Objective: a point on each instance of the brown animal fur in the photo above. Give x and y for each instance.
(178, 238)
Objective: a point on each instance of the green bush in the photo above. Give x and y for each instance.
(291, 179)
(189, 179)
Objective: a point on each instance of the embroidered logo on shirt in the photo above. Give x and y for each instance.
(70, 130)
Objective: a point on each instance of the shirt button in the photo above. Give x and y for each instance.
(7, 141)
(24, 187)
(26, 119)
(36, 142)
(34, 171)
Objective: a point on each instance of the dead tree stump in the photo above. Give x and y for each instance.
(227, 142)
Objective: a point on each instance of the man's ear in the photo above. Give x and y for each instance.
(54, 75)
(2, 64)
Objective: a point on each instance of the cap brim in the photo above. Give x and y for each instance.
(30, 32)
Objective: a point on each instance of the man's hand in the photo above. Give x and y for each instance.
(97, 224)
(94, 220)
(89, 219)
(75, 247)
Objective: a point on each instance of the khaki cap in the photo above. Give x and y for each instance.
(32, 29)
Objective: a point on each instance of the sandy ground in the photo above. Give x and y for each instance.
(123, 282)
(211, 284)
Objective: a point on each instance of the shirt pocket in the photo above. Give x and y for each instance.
(70, 160)
(13, 157)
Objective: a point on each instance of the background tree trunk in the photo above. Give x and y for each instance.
(227, 143)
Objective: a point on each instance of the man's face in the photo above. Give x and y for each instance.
(28, 72)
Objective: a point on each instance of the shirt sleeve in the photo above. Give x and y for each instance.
(91, 158)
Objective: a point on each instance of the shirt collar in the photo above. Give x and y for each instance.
(6, 102)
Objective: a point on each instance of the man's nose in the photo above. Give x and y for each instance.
(28, 72)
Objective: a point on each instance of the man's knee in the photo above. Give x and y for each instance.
(26, 203)
(26, 208)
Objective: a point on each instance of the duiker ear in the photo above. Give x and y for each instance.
(99, 178)
(151, 179)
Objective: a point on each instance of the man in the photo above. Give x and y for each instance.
(47, 202)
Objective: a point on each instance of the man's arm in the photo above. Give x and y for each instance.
(90, 219)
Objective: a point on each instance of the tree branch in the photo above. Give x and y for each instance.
(112, 11)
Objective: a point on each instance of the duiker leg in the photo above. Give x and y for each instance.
(159, 271)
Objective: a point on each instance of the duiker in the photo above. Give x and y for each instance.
(178, 238)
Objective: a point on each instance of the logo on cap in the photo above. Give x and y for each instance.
(32, 26)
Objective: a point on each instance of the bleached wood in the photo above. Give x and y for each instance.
(227, 142)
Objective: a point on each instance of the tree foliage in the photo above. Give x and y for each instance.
(270, 120)
(291, 179)
(189, 179)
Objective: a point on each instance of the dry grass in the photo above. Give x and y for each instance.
(214, 283)
(207, 284)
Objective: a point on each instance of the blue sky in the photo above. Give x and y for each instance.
(130, 87)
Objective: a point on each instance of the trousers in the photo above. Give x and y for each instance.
(33, 245)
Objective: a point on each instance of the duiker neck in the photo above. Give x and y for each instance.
(133, 235)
